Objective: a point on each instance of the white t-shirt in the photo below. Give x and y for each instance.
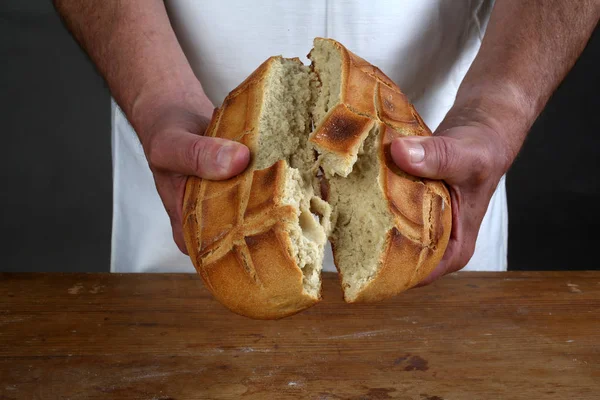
(425, 46)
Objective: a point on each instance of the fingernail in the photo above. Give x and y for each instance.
(416, 151)
(225, 156)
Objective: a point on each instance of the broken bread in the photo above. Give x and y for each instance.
(319, 137)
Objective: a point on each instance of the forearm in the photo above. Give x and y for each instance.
(528, 48)
(135, 49)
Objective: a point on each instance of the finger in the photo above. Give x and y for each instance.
(442, 267)
(433, 157)
(457, 243)
(171, 188)
(437, 273)
(454, 259)
(458, 253)
(205, 157)
(178, 237)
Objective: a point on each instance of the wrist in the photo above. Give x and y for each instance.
(502, 110)
(162, 102)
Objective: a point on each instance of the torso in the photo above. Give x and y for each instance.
(425, 46)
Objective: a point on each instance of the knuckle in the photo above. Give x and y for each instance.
(445, 155)
(154, 154)
(481, 165)
(173, 214)
(460, 261)
(465, 258)
(465, 255)
(197, 155)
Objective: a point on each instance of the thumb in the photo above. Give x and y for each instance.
(202, 156)
(435, 157)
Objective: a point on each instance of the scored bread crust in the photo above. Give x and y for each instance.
(421, 208)
(236, 230)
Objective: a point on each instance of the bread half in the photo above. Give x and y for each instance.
(391, 229)
(319, 138)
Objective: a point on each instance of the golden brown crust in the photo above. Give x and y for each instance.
(258, 278)
(398, 263)
(235, 229)
(420, 207)
(342, 131)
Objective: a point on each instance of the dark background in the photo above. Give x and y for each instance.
(56, 158)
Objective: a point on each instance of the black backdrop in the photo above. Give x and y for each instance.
(56, 169)
(553, 187)
(56, 155)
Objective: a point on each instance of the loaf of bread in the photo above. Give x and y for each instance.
(320, 170)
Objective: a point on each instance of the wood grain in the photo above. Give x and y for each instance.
(161, 336)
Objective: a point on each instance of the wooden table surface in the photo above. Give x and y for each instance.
(161, 336)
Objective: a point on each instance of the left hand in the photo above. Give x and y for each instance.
(171, 128)
(471, 158)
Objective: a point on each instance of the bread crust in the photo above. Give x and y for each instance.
(236, 231)
(421, 208)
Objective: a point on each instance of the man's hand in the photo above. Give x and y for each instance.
(471, 160)
(175, 149)
(528, 48)
(136, 51)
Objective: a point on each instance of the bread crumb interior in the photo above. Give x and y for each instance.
(328, 63)
(284, 127)
(362, 219)
(355, 216)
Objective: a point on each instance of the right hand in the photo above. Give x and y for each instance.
(171, 135)
(470, 157)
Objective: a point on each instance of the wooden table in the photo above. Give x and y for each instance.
(468, 336)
